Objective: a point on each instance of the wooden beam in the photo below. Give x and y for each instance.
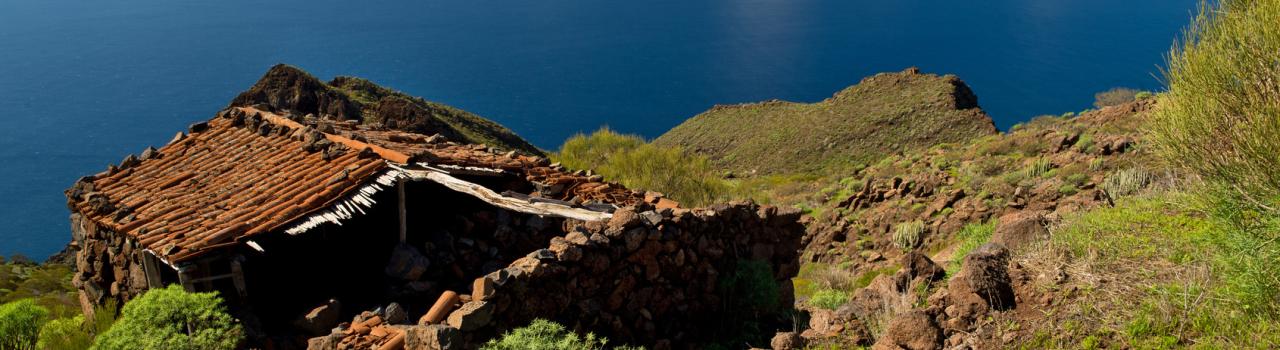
(237, 276)
(491, 197)
(151, 269)
(385, 153)
(404, 227)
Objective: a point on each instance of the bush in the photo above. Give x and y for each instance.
(171, 318)
(908, 235)
(20, 323)
(629, 160)
(591, 152)
(1221, 115)
(1115, 96)
(65, 334)
(546, 335)
(829, 299)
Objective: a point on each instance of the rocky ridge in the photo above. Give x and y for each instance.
(287, 88)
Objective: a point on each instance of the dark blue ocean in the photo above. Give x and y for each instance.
(83, 83)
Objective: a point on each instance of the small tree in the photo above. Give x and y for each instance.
(20, 324)
(172, 318)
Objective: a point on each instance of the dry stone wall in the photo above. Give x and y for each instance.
(108, 265)
(646, 277)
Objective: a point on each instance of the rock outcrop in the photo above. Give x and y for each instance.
(288, 90)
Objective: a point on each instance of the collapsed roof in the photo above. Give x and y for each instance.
(248, 172)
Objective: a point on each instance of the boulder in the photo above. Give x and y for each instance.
(433, 337)
(1020, 229)
(407, 263)
(471, 316)
(916, 265)
(982, 284)
(396, 314)
(321, 319)
(327, 342)
(912, 330)
(787, 341)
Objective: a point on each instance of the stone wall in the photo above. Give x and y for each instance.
(645, 277)
(108, 265)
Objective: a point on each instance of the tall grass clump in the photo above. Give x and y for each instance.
(909, 234)
(1220, 118)
(629, 160)
(1126, 182)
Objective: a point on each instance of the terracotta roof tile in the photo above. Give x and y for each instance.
(248, 172)
(223, 184)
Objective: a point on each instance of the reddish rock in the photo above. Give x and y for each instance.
(787, 341)
(913, 330)
(1020, 229)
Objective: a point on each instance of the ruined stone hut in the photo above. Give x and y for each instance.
(281, 213)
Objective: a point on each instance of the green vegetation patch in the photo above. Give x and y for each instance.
(972, 236)
(171, 318)
(20, 324)
(1221, 115)
(629, 160)
(546, 335)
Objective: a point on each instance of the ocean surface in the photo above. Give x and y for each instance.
(84, 83)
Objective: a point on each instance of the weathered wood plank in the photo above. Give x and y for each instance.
(491, 197)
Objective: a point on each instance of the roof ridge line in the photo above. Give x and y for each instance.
(385, 153)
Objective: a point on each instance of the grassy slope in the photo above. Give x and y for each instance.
(884, 114)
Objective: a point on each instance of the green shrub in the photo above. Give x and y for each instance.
(1115, 96)
(65, 334)
(829, 299)
(20, 323)
(1077, 179)
(1068, 189)
(171, 318)
(1220, 117)
(546, 335)
(908, 235)
(590, 152)
(1142, 95)
(629, 160)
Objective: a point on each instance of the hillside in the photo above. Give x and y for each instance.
(285, 87)
(884, 114)
(882, 245)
